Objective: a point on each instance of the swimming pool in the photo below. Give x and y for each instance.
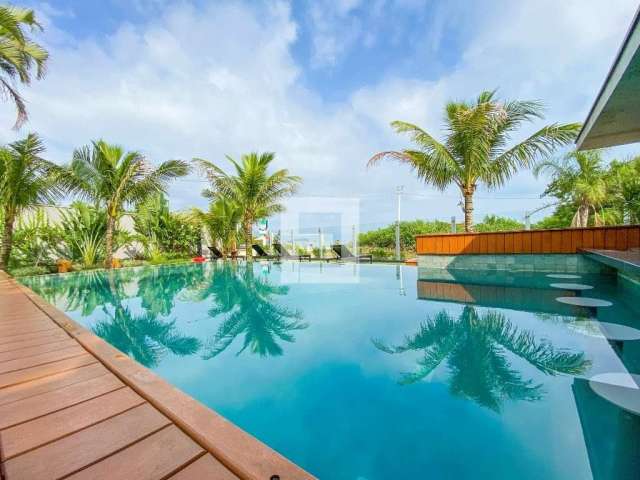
(381, 371)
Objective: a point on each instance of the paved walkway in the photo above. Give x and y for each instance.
(72, 406)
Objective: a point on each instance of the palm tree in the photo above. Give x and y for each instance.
(578, 179)
(252, 188)
(623, 185)
(112, 178)
(221, 222)
(18, 55)
(475, 349)
(246, 305)
(475, 148)
(26, 179)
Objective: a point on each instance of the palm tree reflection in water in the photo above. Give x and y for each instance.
(475, 349)
(144, 337)
(245, 301)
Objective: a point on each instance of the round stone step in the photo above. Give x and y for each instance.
(621, 389)
(571, 286)
(584, 302)
(610, 331)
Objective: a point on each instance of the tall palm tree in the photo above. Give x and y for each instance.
(19, 55)
(623, 185)
(221, 222)
(252, 188)
(26, 179)
(578, 179)
(475, 149)
(112, 178)
(475, 349)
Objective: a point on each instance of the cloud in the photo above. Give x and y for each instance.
(222, 79)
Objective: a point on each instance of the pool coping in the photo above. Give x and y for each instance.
(241, 453)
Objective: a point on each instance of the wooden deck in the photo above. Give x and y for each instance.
(628, 257)
(72, 406)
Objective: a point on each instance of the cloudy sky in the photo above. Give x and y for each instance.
(315, 81)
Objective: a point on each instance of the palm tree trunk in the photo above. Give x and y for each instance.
(248, 238)
(468, 209)
(108, 260)
(581, 218)
(7, 240)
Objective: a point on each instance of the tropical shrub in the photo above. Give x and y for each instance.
(494, 223)
(35, 240)
(83, 231)
(165, 234)
(386, 237)
(221, 222)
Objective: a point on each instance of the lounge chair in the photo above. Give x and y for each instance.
(343, 253)
(261, 253)
(214, 253)
(283, 253)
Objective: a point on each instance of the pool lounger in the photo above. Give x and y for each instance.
(343, 253)
(284, 254)
(261, 252)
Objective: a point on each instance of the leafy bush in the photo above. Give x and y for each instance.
(83, 229)
(381, 253)
(163, 232)
(386, 237)
(35, 240)
(31, 270)
(494, 223)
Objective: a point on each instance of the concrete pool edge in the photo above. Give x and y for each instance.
(241, 453)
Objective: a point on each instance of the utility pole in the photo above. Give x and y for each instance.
(355, 240)
(399, 190)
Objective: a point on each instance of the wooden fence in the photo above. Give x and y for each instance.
(566, 240)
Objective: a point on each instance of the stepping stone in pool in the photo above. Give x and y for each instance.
(565, 276)
(610, 331)
(584, 302)
(621, 389)
(571, 286)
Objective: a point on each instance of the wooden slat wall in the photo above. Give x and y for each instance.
(568, 240)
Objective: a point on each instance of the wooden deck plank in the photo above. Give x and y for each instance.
(52, 382)
(33, 342)
(37, 350)
(32, 336)
(152, 458)
(13, 332)
(35, 360)
(19, 322)
(43, 430)
(45, 370)
(204, 468)
(74, 452)
(32, 407)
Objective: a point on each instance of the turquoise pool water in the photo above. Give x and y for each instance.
(369, 372)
